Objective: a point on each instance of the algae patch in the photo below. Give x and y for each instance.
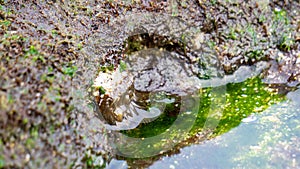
(242, 99)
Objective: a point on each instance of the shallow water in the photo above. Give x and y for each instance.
(270, 141)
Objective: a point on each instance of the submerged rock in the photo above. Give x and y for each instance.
(152, 79)
(148, 81)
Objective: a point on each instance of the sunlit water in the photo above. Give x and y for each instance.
(270, 140)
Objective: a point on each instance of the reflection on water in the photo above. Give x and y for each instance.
(272, 141)
(243, 102)
(179, 110)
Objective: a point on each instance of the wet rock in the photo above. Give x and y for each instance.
(150, 77)
(285, 69)
(132, 95)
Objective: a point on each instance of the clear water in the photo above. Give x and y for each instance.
(270, 140)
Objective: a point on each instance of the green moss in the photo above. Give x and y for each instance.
(25, 121)
(70, 70)
(34, 133)
(5, 23)
(285, 42)
(46, 77)
(232, 34)
(54, 32)
(255, 54)
(30, 143)
(79, 46)
(32, 51)
(253, 33)
(107, 68)
(281, 16)
(10, 99)
(211, 44)
(102, 90)
(122, 66)
(34, 54)
(2, 163)
(283, 30)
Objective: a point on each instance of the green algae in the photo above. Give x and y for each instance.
(242, 99)
(171, 131)
(154, 128)
(70, 70)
